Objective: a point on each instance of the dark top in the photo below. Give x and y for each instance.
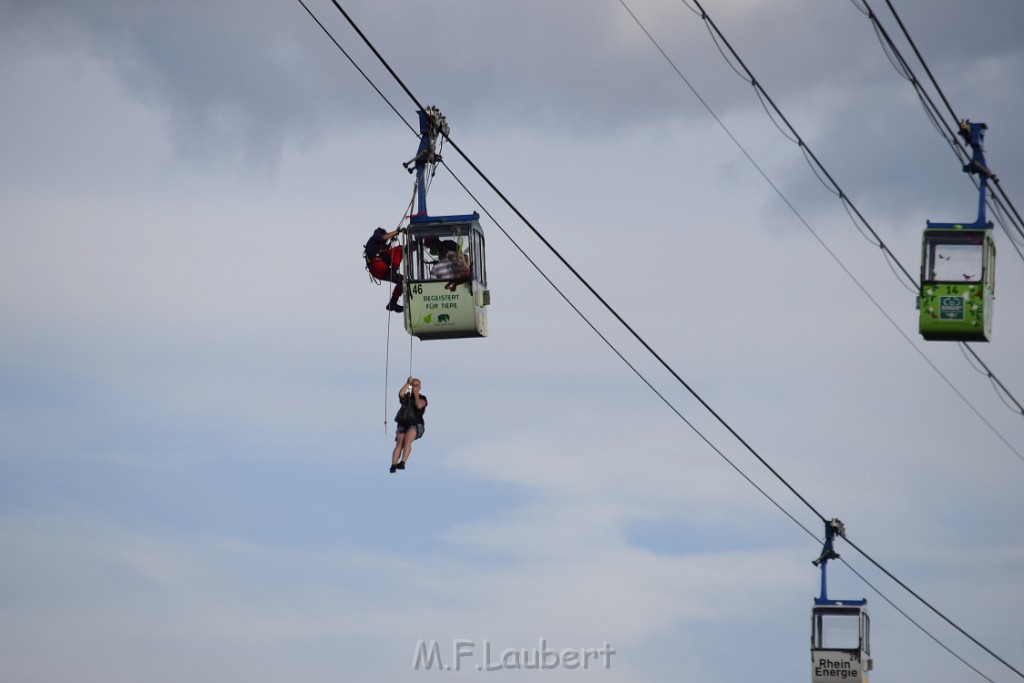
(375, 247)
(409, 404)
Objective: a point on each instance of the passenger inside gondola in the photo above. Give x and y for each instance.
(452, 265)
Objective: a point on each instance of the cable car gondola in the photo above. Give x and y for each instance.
(958, 266)
(840, 629)
(446, 291)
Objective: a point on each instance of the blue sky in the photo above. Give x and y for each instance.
(197, 376)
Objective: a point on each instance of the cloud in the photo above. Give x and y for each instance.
(198, 376)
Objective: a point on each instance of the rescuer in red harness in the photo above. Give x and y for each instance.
(384, 260)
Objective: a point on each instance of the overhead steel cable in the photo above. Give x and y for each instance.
(643, 342)
(951, 137)
(709, 443)
(817, 166)
(753, 81)
(995, 380)
(355, 65)
(938, 89)
(628, 363)
(568, 301)
(913, 621)
(997, 195)
(1000, 203)
(819, 169)
(622, 321)
(890, 256)
(956, 626)
(927, 70)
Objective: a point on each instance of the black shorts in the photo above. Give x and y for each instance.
(401, 430)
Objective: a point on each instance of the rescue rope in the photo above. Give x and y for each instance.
(406, 244)
(387, 365)
(387, 352)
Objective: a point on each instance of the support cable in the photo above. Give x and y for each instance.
(577, 275)
(639, 338)
(930, 105)
(913, 621)
(933, 609)
(895, 262)
(387, 365)
(1002, 201)
(703, 437)
(823, 175)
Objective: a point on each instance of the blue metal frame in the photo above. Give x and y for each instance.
(974, 134)
(829, 655)
(424, 218)
(432, 124)
(962, 324)
(441, 314)
(422, 155)
(828, 552)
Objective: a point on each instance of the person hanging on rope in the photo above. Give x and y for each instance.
(410, 422)
(383, 260)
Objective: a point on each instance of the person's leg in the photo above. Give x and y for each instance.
(396, 293)
(399, 440)
(408, 436)
(379, 269)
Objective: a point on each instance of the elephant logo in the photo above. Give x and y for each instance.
(443, 318)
